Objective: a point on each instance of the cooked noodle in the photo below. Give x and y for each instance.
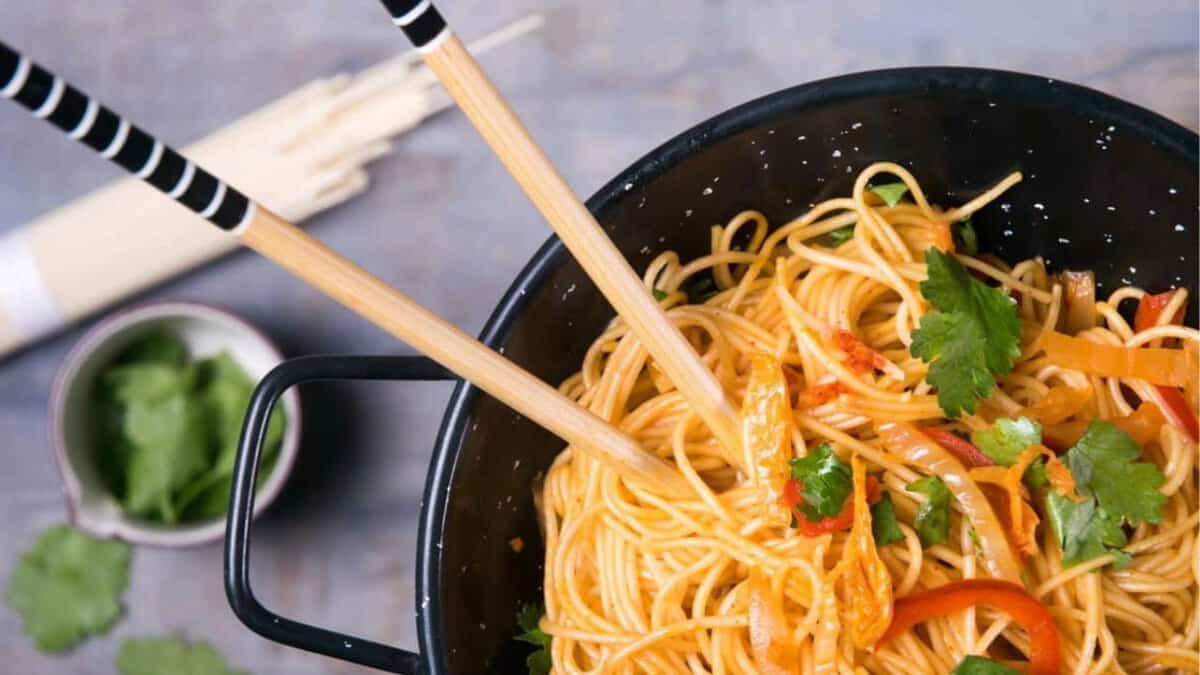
(638, 583)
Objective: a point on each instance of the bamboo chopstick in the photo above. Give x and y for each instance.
(467, 84)
(84, 119)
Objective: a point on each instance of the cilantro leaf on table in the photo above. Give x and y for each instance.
(174, 655)
(1103, 465)
(1005, 440)
(825, 482)
(979, 665)
(890, 193)
(972, 337)
(932, 521)
(528, 618)
(884, 525)
(68, 586)
(1083, 529)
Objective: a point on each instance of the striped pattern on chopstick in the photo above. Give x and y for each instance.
(420, 21)
(83, 119)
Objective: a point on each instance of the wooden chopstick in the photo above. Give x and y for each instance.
(84, 119)
(491, 115)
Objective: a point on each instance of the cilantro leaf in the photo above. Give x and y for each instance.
(155, 656)
(1007, 439)
(883, 522)
(890, 193)
(171, 447)
(836, 238)
(68, 586)
(965, 238)
(933, 516)
(825, 482)
(978, 665)
(1035, 476)
(972, 337)
(1083, 529)
(1103, 467)
(528, 618)
(659, 295)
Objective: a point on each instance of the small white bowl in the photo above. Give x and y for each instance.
(206, 331)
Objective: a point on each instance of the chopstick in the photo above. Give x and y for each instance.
(114, 137)
(492, 117)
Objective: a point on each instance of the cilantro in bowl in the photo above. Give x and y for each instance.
(166, 429)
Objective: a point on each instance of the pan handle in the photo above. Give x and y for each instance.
(241, 506)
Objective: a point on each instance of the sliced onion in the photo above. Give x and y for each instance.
(1079, 297)
(906, 441)
(770, 641)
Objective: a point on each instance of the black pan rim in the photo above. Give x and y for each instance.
(1002, 84)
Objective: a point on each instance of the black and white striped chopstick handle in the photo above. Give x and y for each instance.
(420, 21)
(48, 97)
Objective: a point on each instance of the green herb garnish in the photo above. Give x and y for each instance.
(933, 515)
(1118, 491)
(978, 665)
(836, 238)
(157, 656)
(971, 338)
(825, 482)
(659, 295)
(68, 586)
(890, 193)
(884, 525)
(528, 619)
(965, 238)
(167, 429)
(1007, 439)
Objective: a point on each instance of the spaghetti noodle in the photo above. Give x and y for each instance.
(721, 583)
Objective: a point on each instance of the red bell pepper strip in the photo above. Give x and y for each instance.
(1174, 405)
(964, 450)
(1008, 597)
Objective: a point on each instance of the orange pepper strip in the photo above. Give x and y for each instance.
(1044, 656)
(1059, 404)
(1155, 365)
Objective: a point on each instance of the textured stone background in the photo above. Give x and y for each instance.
(602, 83)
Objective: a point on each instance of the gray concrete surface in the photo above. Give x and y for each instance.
(602, 83)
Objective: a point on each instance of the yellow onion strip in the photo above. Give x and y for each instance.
(917, 449)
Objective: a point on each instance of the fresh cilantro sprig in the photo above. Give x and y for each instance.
(826, 482)
(970, 339)
(1118, 490)
(884, 526)
(68, 586)
(156, 656)
(979, 665)
(167, 429)
(932, 522)
(965, 237)
(528, 618)
(835, 238)
(1007, 439)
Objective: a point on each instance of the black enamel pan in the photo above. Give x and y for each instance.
(1108, 186)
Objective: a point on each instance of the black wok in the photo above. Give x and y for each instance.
(1108, 186)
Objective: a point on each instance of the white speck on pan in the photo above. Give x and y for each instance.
(1179, 227)
(856, 125)
(1110, 208)
(516, 464)
(1063, 240)
(837, 153)
(801, 138)
(1007, 233)
(1152, 212)
(628, 187)
(706, 191)
(687, 213)
(1172, 191)
(1039, 206)
(1006, 207)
